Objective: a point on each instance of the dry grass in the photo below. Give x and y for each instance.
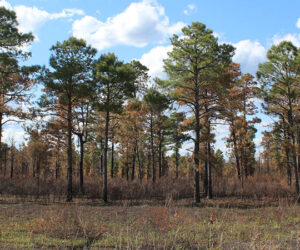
(180, 226)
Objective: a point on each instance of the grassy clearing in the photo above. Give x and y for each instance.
(152, 226)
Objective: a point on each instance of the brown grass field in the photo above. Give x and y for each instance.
(235, 224)
(262, 215)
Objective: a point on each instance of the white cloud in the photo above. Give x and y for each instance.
(14, 132)
(294, 38)
(249, 54)
(154, 60)
(31, 18)
(5, 4)
(138, 25)
(298, 23)
(291, 37)
(190, 9)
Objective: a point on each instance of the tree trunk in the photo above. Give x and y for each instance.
(296, 173)
(152, 150)
(159, 156)
(70, 154)
(176, 160)
(12, 159)
(205, 176)
(209, 165)
(149, 165)
(209, 173)
(133, 163)
(81, 189)
(112, 157)
(196, 155)
(105, 157)
(293, 140)
(236, 154)
(139, 163)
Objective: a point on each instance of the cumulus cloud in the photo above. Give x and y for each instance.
(291, 37)
(154, 60)
(249, 54)
(190, 9)
(294, 38)
(138, 25)
(31, 18)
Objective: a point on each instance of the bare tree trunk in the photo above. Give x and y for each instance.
(152, 150)
(205, 176)
(81, 189)
(139, 163)
(133, 163)
(197, 155)
(209, 173)
(105, 157)
(70, 154)
(159, 156)
(112, 157)
(176, 160)
(12, 160)
(236, 154)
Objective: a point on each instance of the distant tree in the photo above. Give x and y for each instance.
(177, 137)
(156, 104)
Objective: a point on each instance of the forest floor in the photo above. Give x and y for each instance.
(236, 224)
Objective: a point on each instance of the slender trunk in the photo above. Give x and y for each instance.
(293, 139)
(112, 157)
(236, 154)
(197, 154)
(70, 156)
(12, 159)
(105, 156)
(152, 150)
(205, 176)
(209, 173)
(176, 160)
(149, 165)
(101, 164)
(139, 163)
(81, 189)
(133, 163)
(159, 156)
(57, 167)
(296, 173)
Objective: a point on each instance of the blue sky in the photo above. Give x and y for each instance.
(141, 29)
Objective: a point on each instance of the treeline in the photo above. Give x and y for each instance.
(100, 116)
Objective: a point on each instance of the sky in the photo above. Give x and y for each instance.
(141, 30)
